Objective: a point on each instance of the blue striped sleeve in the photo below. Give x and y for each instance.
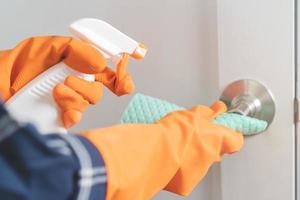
(54, 166)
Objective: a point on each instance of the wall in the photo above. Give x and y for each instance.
(181, 65)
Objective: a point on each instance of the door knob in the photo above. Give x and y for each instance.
(250, 98)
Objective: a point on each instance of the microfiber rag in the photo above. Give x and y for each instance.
(146, 109)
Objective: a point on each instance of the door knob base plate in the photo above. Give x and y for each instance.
(250, 98)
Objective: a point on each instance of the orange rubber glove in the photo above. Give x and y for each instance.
(28, 59)
(173, 154)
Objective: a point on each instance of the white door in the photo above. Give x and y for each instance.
(256, 41)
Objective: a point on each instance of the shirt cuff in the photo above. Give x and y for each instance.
(2, 109)
(92, 179)
(7, 124)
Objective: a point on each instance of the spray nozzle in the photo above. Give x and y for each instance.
(111, 42)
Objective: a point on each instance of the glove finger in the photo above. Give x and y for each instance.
(232, 141)
(90, 91)
(119, 82)
(71, 117)
(218, 107)
(125, 85)
(84, 58)
(210, 112)
(121, 66)
(117, 86)
(69, 101)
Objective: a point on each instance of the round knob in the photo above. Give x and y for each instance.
(250, 98)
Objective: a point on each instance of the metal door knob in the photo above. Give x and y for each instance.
(250, 98)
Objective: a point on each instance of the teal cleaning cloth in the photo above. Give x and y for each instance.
(145, 109)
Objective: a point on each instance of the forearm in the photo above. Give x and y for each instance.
(174, 153)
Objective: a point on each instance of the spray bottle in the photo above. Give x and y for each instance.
(34, 102)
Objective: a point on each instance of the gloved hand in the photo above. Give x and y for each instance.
(34, 55)
(173, 154)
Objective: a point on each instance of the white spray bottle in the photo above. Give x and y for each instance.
(34, 102)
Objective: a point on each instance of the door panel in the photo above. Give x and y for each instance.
(298, 99)
(256, 41)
